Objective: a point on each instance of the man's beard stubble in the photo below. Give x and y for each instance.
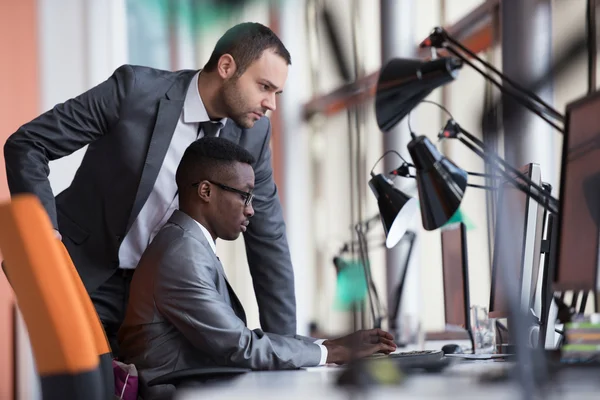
(233, 104)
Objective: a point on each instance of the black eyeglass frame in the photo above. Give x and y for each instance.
(247, 196)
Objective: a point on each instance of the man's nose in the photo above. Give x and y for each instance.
(270, 102)
(249, 211)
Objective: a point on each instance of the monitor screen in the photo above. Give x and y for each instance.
(455, 271)
(577, 252)
(517, 244)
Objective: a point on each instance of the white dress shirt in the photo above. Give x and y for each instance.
(211, 242)
(163, 199)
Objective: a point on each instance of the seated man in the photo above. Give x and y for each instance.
(182, 313)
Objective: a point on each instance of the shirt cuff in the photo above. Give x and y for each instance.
(324, 352)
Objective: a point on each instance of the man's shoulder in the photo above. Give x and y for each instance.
(255, 139)
(174, 242)
(144, 75)
(263, 126)
(157, 72)
(174, 251)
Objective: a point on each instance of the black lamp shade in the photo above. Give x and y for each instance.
(403, 83)
(440, 182)
(395, 208)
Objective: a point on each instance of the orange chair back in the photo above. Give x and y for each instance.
(64, 345)
(100, 339)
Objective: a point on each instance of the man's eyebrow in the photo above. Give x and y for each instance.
(272, 85)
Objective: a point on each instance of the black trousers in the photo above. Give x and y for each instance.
(110, 300)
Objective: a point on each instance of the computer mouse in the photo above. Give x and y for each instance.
(452, 349)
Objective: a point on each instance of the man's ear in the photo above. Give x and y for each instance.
(226, 66)
(204, 191)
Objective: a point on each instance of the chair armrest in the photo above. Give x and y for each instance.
(197, 375)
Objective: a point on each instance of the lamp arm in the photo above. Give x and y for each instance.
(364, 256)
(385, 154)
(404, 171)
(395, 308)
(514, 94)
(366, 223)
(515, 177)
(483, 175)
(481, 186)
(440, 38)
(468, 184)
(487, 153)
(555, 114)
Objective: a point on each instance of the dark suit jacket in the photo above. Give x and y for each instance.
(128, 121)
(183, 314)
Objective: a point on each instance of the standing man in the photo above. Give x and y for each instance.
(138, 124)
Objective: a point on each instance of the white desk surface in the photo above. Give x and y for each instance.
(458, 381)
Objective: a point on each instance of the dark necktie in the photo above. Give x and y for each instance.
(209, 128)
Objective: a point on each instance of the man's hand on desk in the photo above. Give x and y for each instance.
(359, 344)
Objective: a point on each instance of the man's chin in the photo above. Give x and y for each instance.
(232, 237)
(245, 122)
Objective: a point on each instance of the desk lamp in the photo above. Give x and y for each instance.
(405, 83)
(402, 84)
(395, 208)
(441, 39)
(440, 181)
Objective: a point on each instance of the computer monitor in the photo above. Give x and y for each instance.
(579, 211)
(517, 243)
(455, 271)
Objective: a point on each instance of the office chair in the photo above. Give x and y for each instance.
(63, 344)
(100, 340)
(26, 226)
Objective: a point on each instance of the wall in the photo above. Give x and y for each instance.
(81, 43)
(331, 188)
(19, 101)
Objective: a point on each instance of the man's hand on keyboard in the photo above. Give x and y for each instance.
(359, 344)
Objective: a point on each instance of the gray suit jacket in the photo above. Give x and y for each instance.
(182, 314)
(128, 122)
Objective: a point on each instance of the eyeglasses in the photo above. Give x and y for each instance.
(247, 196)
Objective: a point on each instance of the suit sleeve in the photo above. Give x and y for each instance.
(268, 253)
(190, 300)
(61, 131)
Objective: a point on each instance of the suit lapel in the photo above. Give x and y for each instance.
(169, 110)
(235, 302)
(187, 223)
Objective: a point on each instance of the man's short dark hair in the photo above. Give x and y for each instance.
(209, 159)
(245, 43)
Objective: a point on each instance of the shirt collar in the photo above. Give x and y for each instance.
(194, 110)
(209, 238)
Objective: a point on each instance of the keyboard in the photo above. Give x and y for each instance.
(429, 360)
(400, 354)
